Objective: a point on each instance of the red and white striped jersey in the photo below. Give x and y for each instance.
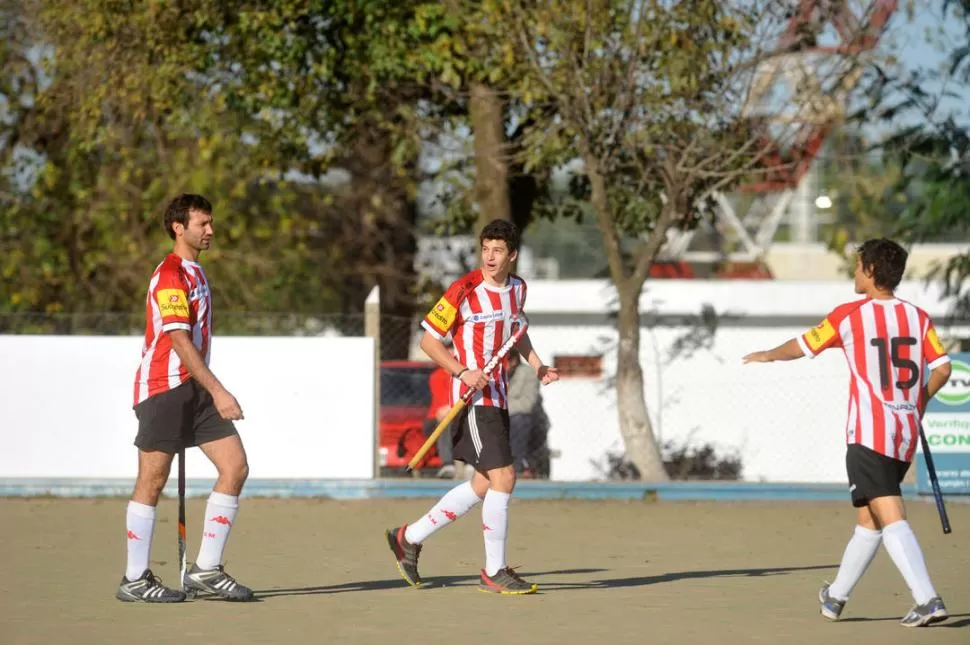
(478, 316)
(178, 298)
(889, 345)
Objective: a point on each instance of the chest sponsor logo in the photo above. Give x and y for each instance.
(487, 317)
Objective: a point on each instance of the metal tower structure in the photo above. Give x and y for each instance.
(816, 80)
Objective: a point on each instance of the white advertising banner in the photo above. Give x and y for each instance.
(66, 406)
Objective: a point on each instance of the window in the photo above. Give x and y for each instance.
(578, 366)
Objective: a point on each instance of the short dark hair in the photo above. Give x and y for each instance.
(179, 208)
(885, 260)
(501, 229)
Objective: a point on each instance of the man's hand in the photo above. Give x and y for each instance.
(475, 379)
(757, 357)
(547, 374)
(227, 405)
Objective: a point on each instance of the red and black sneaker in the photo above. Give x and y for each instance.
(507, 582)
(405, 554)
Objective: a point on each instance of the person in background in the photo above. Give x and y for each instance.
(523, 404)
(439, 382)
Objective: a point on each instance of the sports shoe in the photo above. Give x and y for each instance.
(148, 588)
(830, 607)
(405, 554)
(933, 611)
(506, 581)
(446, 472)
(214, 581)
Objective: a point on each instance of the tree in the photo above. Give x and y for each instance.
(252, 104)
(928, 143)
(868, 197)
(362, 88)
(108, 127)
(649, 101)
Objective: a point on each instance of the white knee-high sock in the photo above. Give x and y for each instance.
(903, 548)
(455, 503)
(140, 521)
(220, 514)
(859, 552)
(495, 526)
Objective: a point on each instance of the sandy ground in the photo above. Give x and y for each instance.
(613, 572)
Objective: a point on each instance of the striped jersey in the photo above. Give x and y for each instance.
(890, 345)
(178, 298)
(478, 316)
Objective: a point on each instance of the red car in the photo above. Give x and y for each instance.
(405, 399)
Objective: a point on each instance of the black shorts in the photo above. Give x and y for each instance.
(481, 437)
(180, 418)
(872, 475)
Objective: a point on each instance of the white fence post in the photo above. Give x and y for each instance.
(372, 328)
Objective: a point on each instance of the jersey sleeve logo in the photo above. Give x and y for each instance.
(935, 341)
(443, 314)
(820, 335)
(172, 302)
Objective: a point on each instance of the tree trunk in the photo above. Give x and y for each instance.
(635, 426)
(491, 169)
(384, 230)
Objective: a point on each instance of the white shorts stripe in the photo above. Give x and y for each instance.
(473, 430)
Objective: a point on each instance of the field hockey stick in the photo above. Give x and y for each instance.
(934, 482)
(512, 341)
(181, 485)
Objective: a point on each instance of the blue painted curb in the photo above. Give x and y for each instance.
(348, 489)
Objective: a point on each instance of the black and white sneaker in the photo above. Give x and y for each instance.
(405, 554)
(214, 582)
(148, 588)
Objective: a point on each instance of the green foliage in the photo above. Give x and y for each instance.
(119, 128)
(641, 101)
(928, 148)
(119, 115)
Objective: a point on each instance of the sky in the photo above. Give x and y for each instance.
(924, 40)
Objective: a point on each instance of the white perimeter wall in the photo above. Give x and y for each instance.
(66, 406)
(309, 401)
(785, 420)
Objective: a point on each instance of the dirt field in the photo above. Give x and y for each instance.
(609, 572)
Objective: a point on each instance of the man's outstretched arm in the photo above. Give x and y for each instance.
(788, 351)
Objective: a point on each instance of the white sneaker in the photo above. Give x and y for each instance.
(446, 472)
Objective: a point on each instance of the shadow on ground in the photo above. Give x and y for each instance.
(963, 622)
(539, 576)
